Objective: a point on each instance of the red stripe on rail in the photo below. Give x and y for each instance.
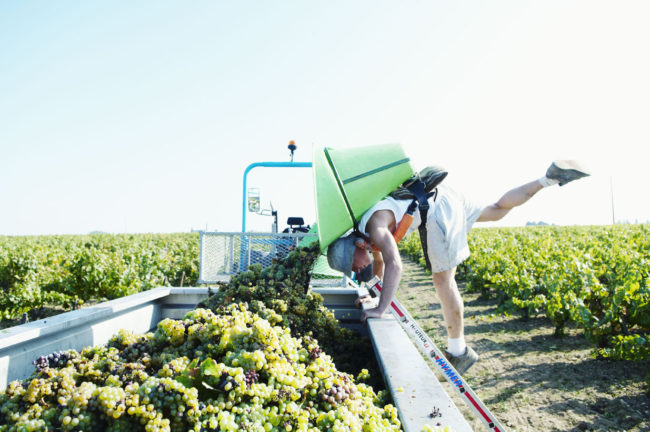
(479, 409)
(393, 305)
(398, 310)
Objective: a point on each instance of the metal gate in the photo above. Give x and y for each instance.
(224, 254)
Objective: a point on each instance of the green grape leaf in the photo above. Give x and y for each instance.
(209, 367)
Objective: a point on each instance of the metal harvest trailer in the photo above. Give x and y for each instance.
(401, 363)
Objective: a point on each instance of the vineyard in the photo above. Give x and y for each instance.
(63, 272)
(262, 354)
(595, 278)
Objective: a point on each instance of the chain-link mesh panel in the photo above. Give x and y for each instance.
(226, 254)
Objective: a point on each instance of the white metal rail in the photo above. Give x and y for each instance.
(426, 346)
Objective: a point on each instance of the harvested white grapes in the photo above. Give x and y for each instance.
(246, 361)
(206, 372)
(282, 290)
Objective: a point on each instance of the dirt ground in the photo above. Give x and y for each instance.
(530, 380)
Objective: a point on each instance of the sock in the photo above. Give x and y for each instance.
(546, 182)
(456, 347)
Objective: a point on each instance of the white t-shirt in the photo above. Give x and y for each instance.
(398, 207)
(449, 219)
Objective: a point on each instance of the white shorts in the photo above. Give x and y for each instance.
(448, 223)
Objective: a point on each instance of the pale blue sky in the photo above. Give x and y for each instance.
(141, 117)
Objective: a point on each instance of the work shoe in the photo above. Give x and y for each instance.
(462, 362)
(566, 171)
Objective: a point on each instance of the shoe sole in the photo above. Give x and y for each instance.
(566, 171)
(570, 165)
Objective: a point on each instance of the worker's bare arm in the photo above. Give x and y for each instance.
(378, 264)
(379, 228)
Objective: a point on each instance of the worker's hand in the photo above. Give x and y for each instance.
(363, 299)
(371, 313)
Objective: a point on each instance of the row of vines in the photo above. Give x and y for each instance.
(64, 271)
(595, 278)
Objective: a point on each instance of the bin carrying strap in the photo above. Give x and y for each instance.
(421, 187)
(417, 187)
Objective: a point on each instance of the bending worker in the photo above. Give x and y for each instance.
(449, 219)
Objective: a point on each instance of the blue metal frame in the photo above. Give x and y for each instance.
(271, 165)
